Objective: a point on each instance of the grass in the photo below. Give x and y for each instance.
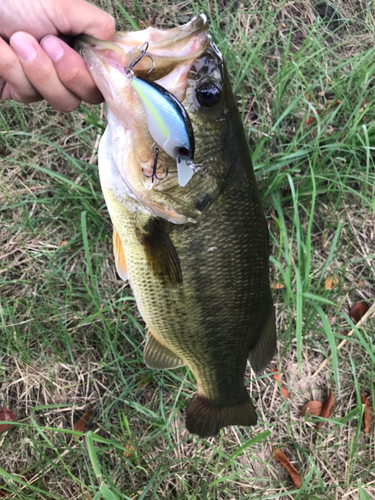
(72, 338)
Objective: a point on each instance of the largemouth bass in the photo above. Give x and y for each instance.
(196, 256)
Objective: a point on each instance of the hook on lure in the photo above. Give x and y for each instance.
(168, 123)
(153, 176)
(129, 68)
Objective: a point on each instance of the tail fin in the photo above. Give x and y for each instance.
(205, 418)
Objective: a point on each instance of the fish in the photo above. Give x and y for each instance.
(195, 255)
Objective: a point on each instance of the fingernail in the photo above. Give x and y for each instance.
(52, 47)
(23, 47)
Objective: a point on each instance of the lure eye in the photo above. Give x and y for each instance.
(183, 152)
(208, 94)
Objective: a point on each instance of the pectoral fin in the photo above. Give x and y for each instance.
(158, 356)
(121, 267)
(160, 252)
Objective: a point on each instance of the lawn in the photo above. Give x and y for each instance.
(72, 338)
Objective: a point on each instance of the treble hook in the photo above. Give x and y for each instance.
(129, 68)
(153, 176)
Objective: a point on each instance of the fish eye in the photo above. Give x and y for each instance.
(183, 152)
(208, 94)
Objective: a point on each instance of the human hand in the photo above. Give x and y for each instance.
(35, 64)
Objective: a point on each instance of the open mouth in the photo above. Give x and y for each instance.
(164, 63)
(167, 48)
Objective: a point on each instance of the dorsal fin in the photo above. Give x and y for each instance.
(160, 252)
(118, 251)
(263, 351)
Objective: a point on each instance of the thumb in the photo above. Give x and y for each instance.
(79, 17)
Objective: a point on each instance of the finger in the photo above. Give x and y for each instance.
(71, 69)
(82, 17)
(40, 71)
(14, 82)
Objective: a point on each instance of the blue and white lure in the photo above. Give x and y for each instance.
(168, 123)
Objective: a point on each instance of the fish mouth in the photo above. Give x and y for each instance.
(168, 48)
(173, 52)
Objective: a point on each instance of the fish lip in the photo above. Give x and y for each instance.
(96, 42)
(196, 25)
(88, 43)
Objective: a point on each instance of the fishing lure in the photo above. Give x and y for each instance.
(168, 123)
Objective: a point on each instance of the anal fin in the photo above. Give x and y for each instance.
(118, 251)
(264, 350)
(158, 356)
(205, 418)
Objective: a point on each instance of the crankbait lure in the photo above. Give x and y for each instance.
(168, 122)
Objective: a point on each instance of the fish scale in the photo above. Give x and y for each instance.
(196, 256)
(238, 288)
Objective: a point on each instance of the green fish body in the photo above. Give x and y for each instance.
(196, 256)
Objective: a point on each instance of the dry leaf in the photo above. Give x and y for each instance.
(278, 379)
(145, 379)
(312, 118)
(81, 422)
(327, 409)
(358, 311)
(129, 450)
(312, 408)
(367, 414)
(7, 416)
(333, 103)
(277, 286)
(294, 474)
(331, 282)
(3, 493)
(142, 382)
(364, 105)
(63, 244)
